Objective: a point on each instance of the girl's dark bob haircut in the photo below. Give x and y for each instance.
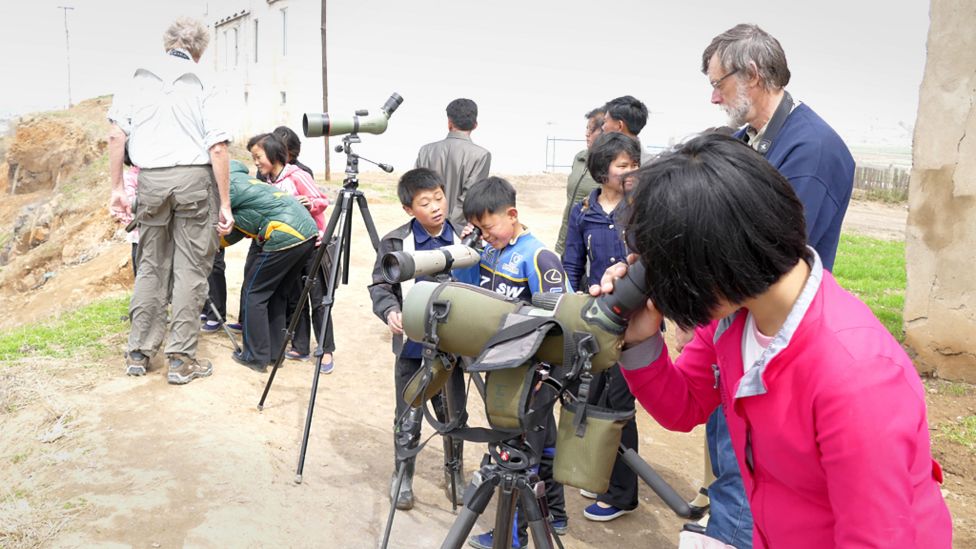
(606, 149)
(713, 221)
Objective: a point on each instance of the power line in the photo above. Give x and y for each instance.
(67, 45)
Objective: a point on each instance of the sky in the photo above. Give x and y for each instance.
(533, 67)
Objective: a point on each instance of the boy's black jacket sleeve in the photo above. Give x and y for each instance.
(385, 296)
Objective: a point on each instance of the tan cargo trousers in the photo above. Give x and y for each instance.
(176, 212)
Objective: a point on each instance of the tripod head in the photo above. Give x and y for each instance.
(352, 161)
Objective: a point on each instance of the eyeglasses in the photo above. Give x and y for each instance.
(718, 82)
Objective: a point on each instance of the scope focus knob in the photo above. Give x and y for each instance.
(547, 300)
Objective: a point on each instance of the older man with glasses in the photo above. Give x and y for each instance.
(167, 120)
(748, 73)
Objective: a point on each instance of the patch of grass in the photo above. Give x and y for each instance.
(962, 432)
(887, 196)
(17, 458)
(79, 331)
(874, 270)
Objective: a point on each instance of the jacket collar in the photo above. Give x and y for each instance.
(752, 383)
(459, 135)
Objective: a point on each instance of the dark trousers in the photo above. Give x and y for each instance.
(404, 370)
(266, 290)
(301, 341)
(610, 390)
(218, 289)
(252, 254)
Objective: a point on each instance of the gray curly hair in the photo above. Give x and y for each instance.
(746, 44)
(188, 34)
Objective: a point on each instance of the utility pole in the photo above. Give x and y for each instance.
(325, 95)
(67, 46)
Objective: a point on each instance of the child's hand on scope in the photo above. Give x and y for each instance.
(394, 319)
(304, 201)
(646, 321)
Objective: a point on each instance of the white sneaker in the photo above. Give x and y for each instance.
(588, 494)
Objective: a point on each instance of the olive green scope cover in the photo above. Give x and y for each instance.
(476, 314)
(586, 444)
(427, 382)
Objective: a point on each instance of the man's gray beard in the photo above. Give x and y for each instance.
(738, 111)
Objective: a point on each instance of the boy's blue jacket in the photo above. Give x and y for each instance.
(521, 269)
(386, 296)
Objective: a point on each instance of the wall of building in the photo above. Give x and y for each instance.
(272, 72)
(940, 301)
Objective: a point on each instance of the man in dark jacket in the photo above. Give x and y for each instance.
(286, 234)
(458, 161)
(747, 70)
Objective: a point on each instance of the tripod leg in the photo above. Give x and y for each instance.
(479, 493)
(368, 220)
(220, 319)
(533, 499)
(654, 480)
(293, 322)
(508, 492)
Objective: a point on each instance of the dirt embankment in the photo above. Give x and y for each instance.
(54, 183)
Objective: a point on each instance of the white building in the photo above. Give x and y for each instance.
(268, 54)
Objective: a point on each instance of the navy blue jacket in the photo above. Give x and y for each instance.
(593, 236)
(817, 163)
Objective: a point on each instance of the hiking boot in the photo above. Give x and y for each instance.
(404, 498)
(136, 363)
(183, 369)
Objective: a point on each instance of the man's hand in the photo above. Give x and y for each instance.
(394, 319)
(119, 206)
(645, 322)
(225, 222)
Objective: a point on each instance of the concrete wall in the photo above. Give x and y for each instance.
(940, 301)
(278, 58)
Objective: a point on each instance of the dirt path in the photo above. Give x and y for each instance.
(140, 463)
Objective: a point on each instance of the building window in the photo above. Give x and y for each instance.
(284, 98)
(236, 48)
(226, 48)
(255, 40)
(245, 98)
(284, 31)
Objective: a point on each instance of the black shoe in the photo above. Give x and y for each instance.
(259, 367)
(696, 511)
(694, 527)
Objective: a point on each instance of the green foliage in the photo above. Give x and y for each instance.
(962, 431)
(80, 331)
(874, 270)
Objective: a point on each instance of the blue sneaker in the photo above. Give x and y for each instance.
(235, 327)
(485, 541)
(560, 527)
(210, 326)
(604, 514)
(327, 367)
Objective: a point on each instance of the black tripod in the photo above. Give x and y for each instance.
(342, 220)
(509, 470)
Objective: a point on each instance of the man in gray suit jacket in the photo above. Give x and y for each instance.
(456, 158)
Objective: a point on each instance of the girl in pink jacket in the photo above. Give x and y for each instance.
(825, 410)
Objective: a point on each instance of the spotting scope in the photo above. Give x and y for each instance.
(319, 124)
(401, 266)
(475, 314)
